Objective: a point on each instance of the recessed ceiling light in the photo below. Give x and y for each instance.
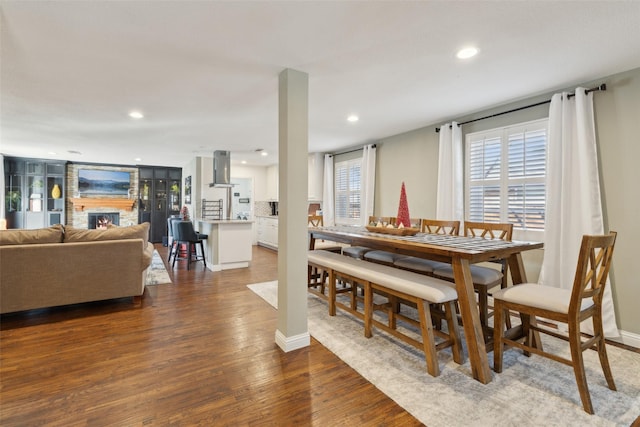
(244, 162)
(353, 118)
(467, 52)
(136, 114)
(264, 153)
(52, 153)
(137, 159)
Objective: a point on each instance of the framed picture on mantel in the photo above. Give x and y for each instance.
(187, 190)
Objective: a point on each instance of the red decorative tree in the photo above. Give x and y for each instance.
(403, 216)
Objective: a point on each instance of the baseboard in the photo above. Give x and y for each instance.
(628, 338)
(295, 342)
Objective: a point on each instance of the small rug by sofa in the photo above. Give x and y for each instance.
(157, 273)
(530, 390)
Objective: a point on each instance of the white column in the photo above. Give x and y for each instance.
(293, 332)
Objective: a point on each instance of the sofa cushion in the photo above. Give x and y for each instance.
(52, 234)
(139, 231)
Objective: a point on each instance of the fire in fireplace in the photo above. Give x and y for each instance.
(103, 219)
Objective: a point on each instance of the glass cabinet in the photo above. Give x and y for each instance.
(159, 198)
(34, 192)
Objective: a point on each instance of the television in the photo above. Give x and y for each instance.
(103, 182)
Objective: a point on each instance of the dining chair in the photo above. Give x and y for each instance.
(184, 234)
(316, 279)
(568, 306)
(359, 251)
(427, 266)
(484, 278)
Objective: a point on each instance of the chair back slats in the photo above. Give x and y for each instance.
(594, 262)
(488, 230)
(434, 226)
(316, 221)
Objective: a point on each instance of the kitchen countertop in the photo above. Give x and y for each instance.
(267, 216)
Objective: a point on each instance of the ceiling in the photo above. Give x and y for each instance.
(205, 73)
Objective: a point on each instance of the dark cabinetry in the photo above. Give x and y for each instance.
(159, 198)
(34, 192)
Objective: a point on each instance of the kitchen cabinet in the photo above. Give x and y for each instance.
(272, 183)
(267, 231)
(316, 176)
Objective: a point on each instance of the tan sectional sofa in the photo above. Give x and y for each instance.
(62, 265)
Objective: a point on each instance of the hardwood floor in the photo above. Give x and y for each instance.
(199, 352)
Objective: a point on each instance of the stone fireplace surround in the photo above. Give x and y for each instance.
(78, 216)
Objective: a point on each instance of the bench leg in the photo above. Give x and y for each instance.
(332, 293)
(368, 309)
(426, 327)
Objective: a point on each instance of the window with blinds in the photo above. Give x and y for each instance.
(506, 170)
(347, 191)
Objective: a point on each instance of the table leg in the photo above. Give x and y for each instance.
(471, 321)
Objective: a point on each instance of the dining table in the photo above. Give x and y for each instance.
(460, 252)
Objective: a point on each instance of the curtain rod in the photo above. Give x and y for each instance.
(350, 151)
(602, 87)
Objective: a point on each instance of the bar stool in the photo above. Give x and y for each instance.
(184, 234)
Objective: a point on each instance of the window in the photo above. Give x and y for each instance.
(347, 191)
(506, 170)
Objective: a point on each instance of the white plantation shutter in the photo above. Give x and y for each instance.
(506, 175)
(347, 191)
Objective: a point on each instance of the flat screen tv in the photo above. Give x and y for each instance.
(103, 182)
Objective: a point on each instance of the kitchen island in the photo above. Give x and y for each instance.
(229, 243)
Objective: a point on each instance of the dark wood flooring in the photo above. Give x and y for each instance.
(199, 352)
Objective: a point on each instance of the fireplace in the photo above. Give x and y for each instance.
(103, 219)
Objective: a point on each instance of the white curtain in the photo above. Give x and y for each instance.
(450, 195)
(328, 198)
(573, 205)
(367, 182)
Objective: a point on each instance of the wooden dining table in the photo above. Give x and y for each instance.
(460, 252)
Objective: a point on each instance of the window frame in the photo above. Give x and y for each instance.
(505, 181)
(349, 192)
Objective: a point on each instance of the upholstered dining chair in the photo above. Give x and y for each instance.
(316, 279)
(484, 278)
(569, 306)
(359, 251)
(184, 234)
(426, 266)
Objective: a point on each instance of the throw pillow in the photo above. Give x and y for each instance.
(139, 231)
(52, 234)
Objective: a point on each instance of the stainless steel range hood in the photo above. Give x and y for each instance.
(221, 169)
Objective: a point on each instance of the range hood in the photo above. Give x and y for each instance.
(221, 169)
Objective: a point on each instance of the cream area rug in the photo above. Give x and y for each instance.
(157, 273)
(530, 391)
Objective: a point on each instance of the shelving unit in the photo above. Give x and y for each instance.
(34, 192)
(212, 209)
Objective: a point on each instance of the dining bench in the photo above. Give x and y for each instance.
(394, 284)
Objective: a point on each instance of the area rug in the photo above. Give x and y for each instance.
(531, 391)
(157, 273)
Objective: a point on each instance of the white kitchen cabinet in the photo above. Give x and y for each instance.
(316, 176)
(268, 232)
(272, 183)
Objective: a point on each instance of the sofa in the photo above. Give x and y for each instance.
(63, 265)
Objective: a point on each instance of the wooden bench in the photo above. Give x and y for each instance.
(394, 284)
